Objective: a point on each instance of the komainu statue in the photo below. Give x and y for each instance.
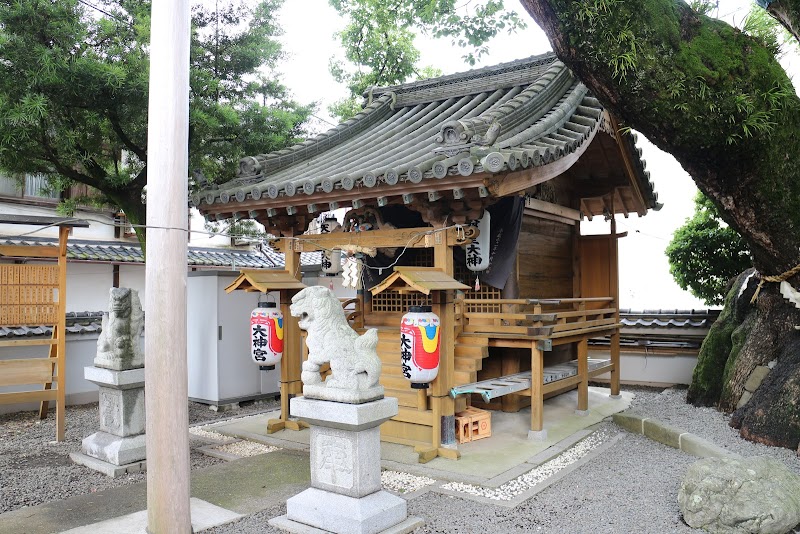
(119, 346)
(355, 365)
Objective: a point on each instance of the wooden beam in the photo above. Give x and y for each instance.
(554, 209)
(514, 182)
(404, 237)
(28, 396)
(26, 371)
(26, 342)
(29, 251)
(626, 159)
(345, 197)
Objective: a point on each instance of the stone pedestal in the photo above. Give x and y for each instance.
(119, 446)
(345, 495)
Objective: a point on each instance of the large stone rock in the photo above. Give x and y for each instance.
(740, 495)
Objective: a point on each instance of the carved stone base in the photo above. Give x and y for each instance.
(348, 396)
(114, 449)
(346, 515)
(284, 523)
(346, 495)
(106, 468)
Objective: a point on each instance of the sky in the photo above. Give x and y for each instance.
(645, 282)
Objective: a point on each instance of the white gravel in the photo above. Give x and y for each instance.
(245, 448)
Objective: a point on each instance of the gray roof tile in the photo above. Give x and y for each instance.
(116, 252)
(524, 113)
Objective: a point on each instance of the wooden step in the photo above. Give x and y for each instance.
(471, 351)
(467, 364)
(405, 397)
(464, 377)
(395, 382)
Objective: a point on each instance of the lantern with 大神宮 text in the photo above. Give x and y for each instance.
(266, 335)
(331, 259)
(419, 346)
(478, 250)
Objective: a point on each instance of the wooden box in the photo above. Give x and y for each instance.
(472, 424)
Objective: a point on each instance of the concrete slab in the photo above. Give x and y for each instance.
(245, 486)
(482, 460)
(204, 515)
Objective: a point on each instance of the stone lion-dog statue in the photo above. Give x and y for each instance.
(355, 365)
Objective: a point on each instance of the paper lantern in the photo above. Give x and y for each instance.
(478, 250)
(331, 259)
(331, 262)
(419, 346)
(266, 335)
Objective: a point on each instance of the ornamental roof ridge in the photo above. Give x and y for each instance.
(465, 77)
(251, 166)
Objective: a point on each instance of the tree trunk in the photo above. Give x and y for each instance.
(720, 103)
(129, 201)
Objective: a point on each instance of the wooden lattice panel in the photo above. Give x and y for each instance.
(394, 301)
(486, 292)
(28, 295)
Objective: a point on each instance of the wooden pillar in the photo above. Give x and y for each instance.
(537, 382)
(583, 374)
(613, 255)
(60, 331)
(166, 381)
(442, 404)
(292, 348)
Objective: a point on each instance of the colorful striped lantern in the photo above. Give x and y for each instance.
(266, 335)
(419, 346)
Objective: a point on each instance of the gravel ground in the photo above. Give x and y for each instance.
(631, 486)
(34, 469)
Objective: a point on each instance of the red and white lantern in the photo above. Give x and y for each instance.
(266, 335)
(419, 346)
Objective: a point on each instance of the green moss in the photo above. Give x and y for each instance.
(738, 338)
(708, 375)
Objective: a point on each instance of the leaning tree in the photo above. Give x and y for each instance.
(717, 99)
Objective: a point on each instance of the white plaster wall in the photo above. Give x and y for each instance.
(87, 286)
(651, 369)
(131, 276)
(96, 229)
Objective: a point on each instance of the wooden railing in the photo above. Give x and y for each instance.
(540, 318)
(353, 312)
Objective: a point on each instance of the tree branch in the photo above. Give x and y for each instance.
(129, 144)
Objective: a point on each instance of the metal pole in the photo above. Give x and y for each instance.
(166, 388)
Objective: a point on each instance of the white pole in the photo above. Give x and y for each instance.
(166, 388)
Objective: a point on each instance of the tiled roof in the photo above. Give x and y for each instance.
(124, 252)
(525, 113)
(655, 319)
(663, 328)
(77, 323)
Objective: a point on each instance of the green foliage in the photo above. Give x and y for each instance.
(379, 39)
(74, 92)
(705, 254)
